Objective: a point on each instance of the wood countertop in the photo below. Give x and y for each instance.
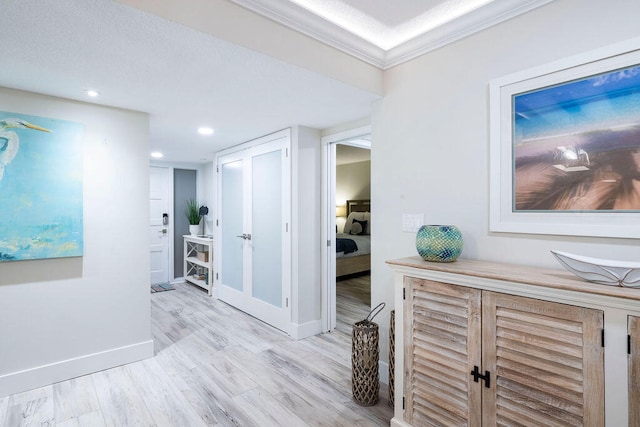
(550, 278)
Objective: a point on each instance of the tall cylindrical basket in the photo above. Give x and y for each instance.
(392, 355)
(365, 378)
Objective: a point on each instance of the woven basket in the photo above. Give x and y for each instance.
(365, 378)
(392, 355)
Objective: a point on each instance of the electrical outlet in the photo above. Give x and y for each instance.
(411, 223)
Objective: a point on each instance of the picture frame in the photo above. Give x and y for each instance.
(563, 138)
(41, 187)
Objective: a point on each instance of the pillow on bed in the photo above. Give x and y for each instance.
(360, 216)
(358, 227)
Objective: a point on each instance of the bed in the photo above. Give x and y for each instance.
(358, 230)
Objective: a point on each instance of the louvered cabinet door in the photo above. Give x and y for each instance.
(442, 343)
(634, 371)
(547, 360)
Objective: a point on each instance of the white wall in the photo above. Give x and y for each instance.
(229, 21)
(431, 137)
(353, 182)
(62, 318)
(306, 238)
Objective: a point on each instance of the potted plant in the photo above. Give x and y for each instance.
(193, 216)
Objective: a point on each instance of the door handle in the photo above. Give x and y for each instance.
(245, 236)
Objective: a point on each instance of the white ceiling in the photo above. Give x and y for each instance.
(185, 78)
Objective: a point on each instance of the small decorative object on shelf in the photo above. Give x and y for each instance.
(193, 216)
(439, 243)
(602, 271)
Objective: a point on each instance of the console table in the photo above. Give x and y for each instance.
(198, 261)
(480, 343)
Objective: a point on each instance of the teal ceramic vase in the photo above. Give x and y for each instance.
(439, 243)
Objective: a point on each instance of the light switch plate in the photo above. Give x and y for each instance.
(411, 223)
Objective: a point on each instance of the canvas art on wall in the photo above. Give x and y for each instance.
(577, 144)
(40, 188)
(565, 146)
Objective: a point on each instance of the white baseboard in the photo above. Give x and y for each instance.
(396, 422)
(17, 382)
(304, 330)
(383, 369)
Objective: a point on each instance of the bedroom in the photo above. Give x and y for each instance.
(353, 242)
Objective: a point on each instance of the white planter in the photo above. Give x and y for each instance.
(194, 229)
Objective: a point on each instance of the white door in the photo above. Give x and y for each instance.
(254, 261)
(159, 223)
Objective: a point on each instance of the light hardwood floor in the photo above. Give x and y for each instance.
(214, 365)
(353, 301)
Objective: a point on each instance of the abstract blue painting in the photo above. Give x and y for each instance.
(40, 187)
(577, 145)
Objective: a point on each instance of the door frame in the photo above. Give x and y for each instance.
(328, 218)
(238, 152)
(172, 166)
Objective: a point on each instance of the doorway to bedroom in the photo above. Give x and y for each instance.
(347, 219)
(353, 236)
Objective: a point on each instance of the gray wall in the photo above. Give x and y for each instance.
(184, 188)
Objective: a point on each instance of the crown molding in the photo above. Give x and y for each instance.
(303, 21)
(480, 19)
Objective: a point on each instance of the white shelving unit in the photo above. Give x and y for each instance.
(198, 261)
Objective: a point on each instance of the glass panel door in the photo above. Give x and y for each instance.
(232, 220)
(255, 246)
(267, 225)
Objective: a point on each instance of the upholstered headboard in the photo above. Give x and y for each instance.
(358, 206)
(358, 210)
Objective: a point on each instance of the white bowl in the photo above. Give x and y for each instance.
(603, 271)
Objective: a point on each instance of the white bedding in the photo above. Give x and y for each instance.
(362, 241)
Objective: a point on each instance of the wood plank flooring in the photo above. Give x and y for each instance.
(215, 365)
(353, 301)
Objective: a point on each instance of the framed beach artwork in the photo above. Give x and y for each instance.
(40, 188)
(565, 146)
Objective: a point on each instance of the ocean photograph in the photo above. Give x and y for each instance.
(40, 188)
(576, 145)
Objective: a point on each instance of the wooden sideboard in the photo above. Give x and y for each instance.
(480, 343)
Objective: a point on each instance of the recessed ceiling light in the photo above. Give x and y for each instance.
(205, 130)
(92, 93)
(157, 155)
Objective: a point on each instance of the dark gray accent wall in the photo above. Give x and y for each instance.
(184, 188)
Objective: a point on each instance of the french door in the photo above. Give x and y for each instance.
(254, 247)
